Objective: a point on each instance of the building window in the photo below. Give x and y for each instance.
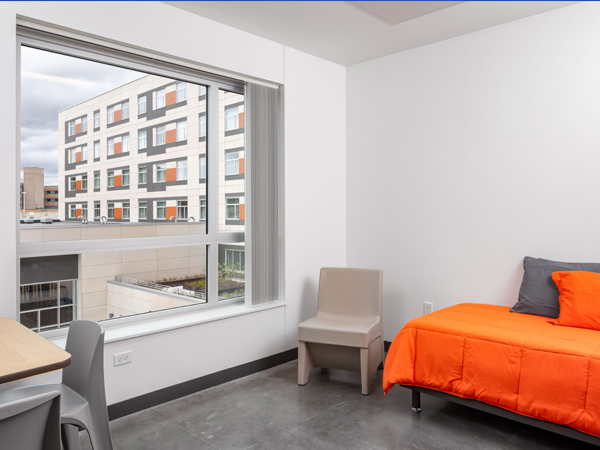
(232, 163)
(84, 182)
(181, 131)
(142, 143)
(203, 167)
(96, 119)
(181, 170)
(111, 146)
(72, 155)
(232, 208)
(110, 114)
(142, 105)
(96, 180)
(72, 211)
(182, 209)
(160, 98)
(143, 210)
(72, 183)
(201, 91)
(161, 172)
(111, 178)
(235, 258)
(125, 144)
(111, 210)
(125, 210)
(161, 210)
(125, 177)
(84, 124)
(202, 126)
(161, 135)
(97, 210)
(125, 110)
(72, 127)
(181, 92)
(97, 150)
(202, 209)
(84, 210)
(84, 152)
(143, 175)
(232, 119)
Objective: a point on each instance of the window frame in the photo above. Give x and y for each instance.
(213, 83)
(145, 175)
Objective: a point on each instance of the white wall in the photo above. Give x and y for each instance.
(314, 165)
(466, 155)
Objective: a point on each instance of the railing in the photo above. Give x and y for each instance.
(161, 287)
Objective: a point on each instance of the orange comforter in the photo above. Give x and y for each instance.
(518, 362)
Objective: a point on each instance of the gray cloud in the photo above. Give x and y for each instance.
(50, 83)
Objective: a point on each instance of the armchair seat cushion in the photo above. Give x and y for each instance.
(340, 330)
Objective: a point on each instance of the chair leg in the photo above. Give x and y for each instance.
(99, 431)
(70, 437)
(305, 363)
(365, 375)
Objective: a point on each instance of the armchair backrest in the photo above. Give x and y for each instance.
(350, 292)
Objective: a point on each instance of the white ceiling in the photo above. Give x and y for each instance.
(352, 32)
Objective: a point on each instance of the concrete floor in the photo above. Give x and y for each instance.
(268, 410)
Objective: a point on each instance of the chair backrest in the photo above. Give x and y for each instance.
(31, 423)
(350, 292)
(85, 374)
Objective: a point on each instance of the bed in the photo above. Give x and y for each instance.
(522, 366)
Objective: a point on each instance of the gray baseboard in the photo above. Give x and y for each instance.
(174, 392)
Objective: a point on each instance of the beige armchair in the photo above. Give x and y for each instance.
(347, 332)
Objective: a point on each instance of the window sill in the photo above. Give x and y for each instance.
(115, 331)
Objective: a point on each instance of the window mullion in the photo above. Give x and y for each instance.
(212, 191)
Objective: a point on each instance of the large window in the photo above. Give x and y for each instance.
(181, 177)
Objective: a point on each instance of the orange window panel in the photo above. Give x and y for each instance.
(78, 213)
(172, 174)
(118, 181)
(241, 165)
(171, 136)
(171, 212)
(241, 120)
(242, 212)
(118, 213)
(171, 98)
(117, 115)
(117, 148)
(78, 185)
(77, 156)
(78, 128)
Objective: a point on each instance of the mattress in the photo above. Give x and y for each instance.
(519, 362)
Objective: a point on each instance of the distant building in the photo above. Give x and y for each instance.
(33, 194)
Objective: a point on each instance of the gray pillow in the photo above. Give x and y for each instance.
(538, 294)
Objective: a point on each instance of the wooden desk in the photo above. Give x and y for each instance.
(23, 353)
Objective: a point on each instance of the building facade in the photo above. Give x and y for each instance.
(138, 154)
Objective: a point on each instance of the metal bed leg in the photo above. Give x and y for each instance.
(416, 401)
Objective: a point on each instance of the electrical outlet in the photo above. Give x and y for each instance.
(122, 358)
(427, 307)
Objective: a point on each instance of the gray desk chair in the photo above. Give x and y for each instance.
(82, 395)
(347, 332)
(31, 423)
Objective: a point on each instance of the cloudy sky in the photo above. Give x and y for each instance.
(50, 83)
